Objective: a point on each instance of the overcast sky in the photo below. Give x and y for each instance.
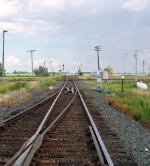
(66, 32)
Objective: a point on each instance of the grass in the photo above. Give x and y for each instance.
(12, 98)
(91, 83)
(46, 83)
(11, 86)
(12, 93)
(133, 102)
(90, 97)
(84, 76)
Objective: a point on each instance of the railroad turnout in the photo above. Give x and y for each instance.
(64, 129)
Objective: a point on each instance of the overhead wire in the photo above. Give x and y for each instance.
(68, 46)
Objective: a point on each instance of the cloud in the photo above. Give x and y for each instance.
(40, 62)
(137, 5)
(8, 8)
(77, 63)
(54, 63)
(12, 61)
(37, 63)
(50, 18)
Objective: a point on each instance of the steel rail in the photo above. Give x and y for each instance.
(38, 142)
(25, 158)
(99, 139)
(25, 147)
(16, 117)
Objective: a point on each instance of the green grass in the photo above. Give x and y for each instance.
(42, 82)
(132, 98)
(11, 86)
(91, 83)
(46, 83)
(90, 97)
(139, 103)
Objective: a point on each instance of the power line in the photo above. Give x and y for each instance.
(81, 46)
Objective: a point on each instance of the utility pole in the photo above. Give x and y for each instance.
(99, 76)
(135, 56)
(44, 64)
(98, 48)
(81, 66)
(31, 60)
(3, 70)
(44, 69)
(123, 63)
(51, 66)
(143, 67)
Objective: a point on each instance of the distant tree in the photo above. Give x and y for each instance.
(15, 72)
(109, 70)
(41, 71)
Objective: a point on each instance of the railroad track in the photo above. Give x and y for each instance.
(70, 134)
(19, 128)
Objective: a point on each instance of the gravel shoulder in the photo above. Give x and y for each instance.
(135, 138)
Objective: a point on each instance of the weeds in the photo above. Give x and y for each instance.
(19, 92)
(46, 83)
(133, 102)
(91, 83)
(12, 98)
(84, 89)
(90, 97)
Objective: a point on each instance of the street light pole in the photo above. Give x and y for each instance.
(3, 55)
(81, 66)
(123, 63)
(44, 64)
(31, 60)
(44, 69)
(51, 65)
(98, 48)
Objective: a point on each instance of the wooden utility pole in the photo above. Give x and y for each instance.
(135, 56)
(98, 48)
(143, 67)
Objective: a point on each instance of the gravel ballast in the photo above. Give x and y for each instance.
(135, 138)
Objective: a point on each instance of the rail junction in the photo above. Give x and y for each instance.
(64, 129)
